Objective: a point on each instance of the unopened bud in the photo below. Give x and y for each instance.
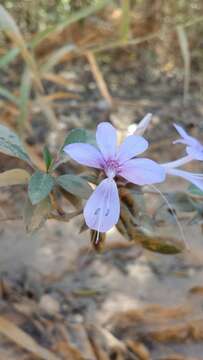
(142, 126)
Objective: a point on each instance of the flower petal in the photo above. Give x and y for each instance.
(194, 178)
(186, 139)
(132, 146)
(181, 131)
(102, 209)
(143, 124)
(195, 152)
(174, 164)
(85, 154)
(106, 140)
(143, 172)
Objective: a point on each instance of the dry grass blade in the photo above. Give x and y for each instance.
(57, 79)
(99, 78)
(60, 95)
(15, 334)
(25, 90)
(74, 17)
(66, 217)
(8, 95)
(8, 57)
(118, 43)
(139, 349)
(125, 22)
(184, 46)
(56, 57)
(47, 110)
(76, 345)
(9, 26)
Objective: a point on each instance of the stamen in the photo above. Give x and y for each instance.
(111, 168)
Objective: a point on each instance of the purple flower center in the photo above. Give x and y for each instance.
(111, 168)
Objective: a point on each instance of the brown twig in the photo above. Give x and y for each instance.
(66, 216)
(11, 218)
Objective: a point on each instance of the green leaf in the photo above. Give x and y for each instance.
(39, 186)
(47, 157)
(10, 144)
(79, 136)
(192, 189)
(36, 215)
(75, 185)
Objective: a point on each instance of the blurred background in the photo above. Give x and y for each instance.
(69, 64)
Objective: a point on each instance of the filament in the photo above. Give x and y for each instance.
(182, 234)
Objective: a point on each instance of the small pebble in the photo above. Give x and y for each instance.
(49, 305)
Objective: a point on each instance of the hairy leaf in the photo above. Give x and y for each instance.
(10, 144)
(79, 136)
(36, 215)
(75, 185)
(14, 177)
(39, 186)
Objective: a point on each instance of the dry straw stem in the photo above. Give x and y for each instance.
(18, 336)
(125, 21)
(99, 78)
(77, 16)
(9, 26)
(185, 51)
(66, 217)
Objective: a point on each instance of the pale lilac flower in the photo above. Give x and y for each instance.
(195, 152)
(102, 209)
(194, 178)
(171, 168)
(194, 148)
